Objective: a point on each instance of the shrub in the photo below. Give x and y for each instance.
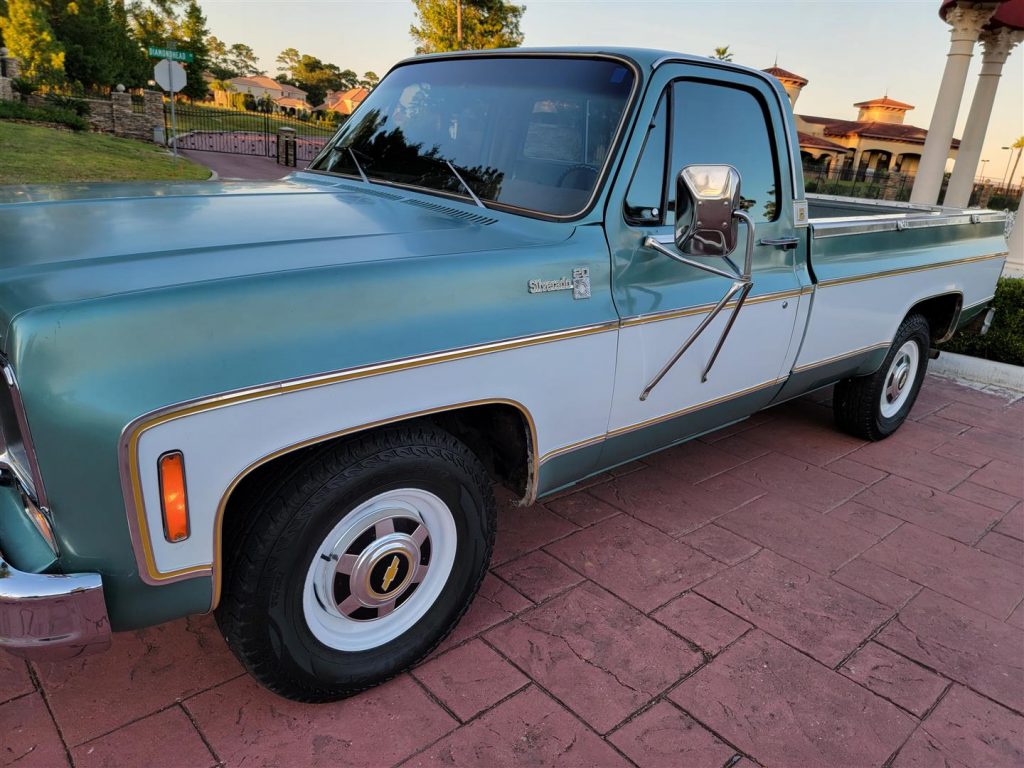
(24, 87)
(1004, 341)
(68, 103)
(15, 110)
(1004, 202)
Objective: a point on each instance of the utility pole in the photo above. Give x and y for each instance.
(458, 22)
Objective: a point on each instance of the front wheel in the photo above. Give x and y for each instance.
(873, 407)
(359, 564)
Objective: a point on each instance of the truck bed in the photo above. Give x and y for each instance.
(832, 216)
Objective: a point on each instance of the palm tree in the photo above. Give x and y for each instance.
(722, 54)
(219, 87)
(1019, 146)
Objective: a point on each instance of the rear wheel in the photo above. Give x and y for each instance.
(359, 563)
(873, 407)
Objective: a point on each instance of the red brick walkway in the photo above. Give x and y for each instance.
(776, 593)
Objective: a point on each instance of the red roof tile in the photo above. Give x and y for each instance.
(885, 101)
(781, 74)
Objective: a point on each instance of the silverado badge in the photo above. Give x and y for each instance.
(579, 284)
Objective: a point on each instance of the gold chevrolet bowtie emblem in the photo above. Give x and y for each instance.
(389, 575)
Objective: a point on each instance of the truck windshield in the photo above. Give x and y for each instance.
(531, 133)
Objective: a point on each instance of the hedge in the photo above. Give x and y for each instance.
(16, 110)
(1004, 341)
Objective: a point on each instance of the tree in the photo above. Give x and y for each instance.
(722, 54)
(244, 61)
(287, 61)
(86, 30)
(30, 38)
(153, 22)
(192, 34)
(314, 76)
(222, 90)
(1019, 146)
(484, 24)
(369, 81)
(238, 60)
(130, 64)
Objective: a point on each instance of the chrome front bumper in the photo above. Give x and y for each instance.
(51, 616)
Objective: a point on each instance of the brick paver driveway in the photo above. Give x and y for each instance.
(776, 593)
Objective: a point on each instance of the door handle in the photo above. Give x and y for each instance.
(785, 243)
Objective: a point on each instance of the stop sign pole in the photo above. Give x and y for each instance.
(170, 76)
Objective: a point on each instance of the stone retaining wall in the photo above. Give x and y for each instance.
(113, 115)
(116, 115)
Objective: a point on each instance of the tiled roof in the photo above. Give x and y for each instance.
(885, 101)
(345, 102)
(808, 140)
(781, 74)
(287, 101)
(262, 81)
(874, 130)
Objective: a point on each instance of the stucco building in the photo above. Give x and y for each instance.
(343, 102)
(286, 98)
(877, 141)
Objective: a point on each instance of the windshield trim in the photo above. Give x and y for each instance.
(602, 179)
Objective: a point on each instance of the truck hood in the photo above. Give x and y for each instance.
(69, 243)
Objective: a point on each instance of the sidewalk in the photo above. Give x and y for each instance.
(776, 593)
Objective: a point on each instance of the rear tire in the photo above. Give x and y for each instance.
(358, 563)
(873, 407)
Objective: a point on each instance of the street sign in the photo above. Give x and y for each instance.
(169, 75)
(173, 55)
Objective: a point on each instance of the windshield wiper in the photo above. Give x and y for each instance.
(359, 168)
(466, 186)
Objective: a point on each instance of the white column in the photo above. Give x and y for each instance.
(967, 19)
(998, 43)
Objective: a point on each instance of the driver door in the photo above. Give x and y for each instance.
(699, 115)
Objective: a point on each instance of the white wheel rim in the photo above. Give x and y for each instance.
(379, 569)
(899, 380)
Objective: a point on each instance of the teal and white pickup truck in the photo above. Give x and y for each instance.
(289, 402)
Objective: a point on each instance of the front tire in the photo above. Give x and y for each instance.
(873, 407)
(359, 563)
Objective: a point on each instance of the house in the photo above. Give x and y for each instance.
(286, 98)
(343, 102)
(879, 140)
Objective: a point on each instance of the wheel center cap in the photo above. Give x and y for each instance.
(384, 570)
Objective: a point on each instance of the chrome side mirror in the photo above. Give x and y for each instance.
(707, 197)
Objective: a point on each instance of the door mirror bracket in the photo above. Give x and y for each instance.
(708, 212)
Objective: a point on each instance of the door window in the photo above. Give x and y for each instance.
(645, 198)
(713, 123)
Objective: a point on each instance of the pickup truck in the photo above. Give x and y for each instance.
(290, 402)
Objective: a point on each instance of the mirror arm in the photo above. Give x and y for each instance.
(742, 285)
(655, 245)
(748, 257)
(728, 327)
(693, 337)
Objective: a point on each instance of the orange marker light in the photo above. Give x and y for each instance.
(173, 496)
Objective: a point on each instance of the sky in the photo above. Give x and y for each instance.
(849, 50)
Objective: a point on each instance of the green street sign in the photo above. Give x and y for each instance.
(167, 53)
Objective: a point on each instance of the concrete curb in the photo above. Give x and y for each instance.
(978, 370)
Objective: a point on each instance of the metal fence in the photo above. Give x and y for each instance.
(240, 132)
(892, 185)
(862, 183)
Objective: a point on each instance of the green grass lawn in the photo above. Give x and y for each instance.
(34, 154)
(192, 117)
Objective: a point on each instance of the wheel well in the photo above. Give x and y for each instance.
(500, 434)
(941, 312)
